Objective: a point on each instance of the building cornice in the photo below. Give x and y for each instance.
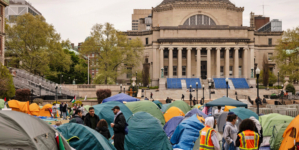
(217, 40)
(138, 33)
(268, 33)
(217, 27)
(273, 46)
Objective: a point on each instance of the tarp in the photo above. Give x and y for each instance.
(225, 101)
(181, 105)
(164, 107)
(227, 108)
(288, 140)
(186, 133)
(244, 113)
(147, 106)
(121, 98)
(276, 138)
(2, 102)
(197, 106)
(26, 132)
(158, 103)
(170, 126)
(44, 112)
(88, 138)
(34, 109)
(173, 112)
(19, 106)
(104, 112)
(196, 111)
(146, 133)
(268, 121)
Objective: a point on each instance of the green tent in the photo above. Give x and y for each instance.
(225, 101)
(147, 106)
(268, 121)
(276, 137)
(158, 103)
(244, 113)
(86, 107)
(164, 107)
(181, 105)
(146, 133)
(196, 106)
(2, 102)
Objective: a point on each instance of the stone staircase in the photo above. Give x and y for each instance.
(205, 82)
(184, 85)
(246, 102)
(231, 85)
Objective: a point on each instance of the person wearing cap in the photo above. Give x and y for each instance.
(91, 120)
(208, 136)
(230, 132)
(118, 126)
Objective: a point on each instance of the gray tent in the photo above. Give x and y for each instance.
(222, 120)
(22, 131)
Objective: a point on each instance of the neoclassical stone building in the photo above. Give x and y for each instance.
(202, 39)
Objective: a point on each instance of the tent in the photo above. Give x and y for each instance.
(170, 126)
(34, 109)
(146, 106)
(290, 135)
(44, 112)
(86, 107)
(104, 112)
(244, 113)
(158, 103)
(146, 133)
(186, 133)
(164, 107)
(27, 132)
(196, 111)
(221, 121)
(88, 138)
(227, 108)
(276, 138)
(268, 121)
(121, 98)
(173, 112)
(225, 101)
(196, 106)
(19, 106)
(2, 102)
(181, 105)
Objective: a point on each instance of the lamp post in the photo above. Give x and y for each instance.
(196, 92)
(88, 70)
(136, 77)
(61, 78)
(210, 84)
(282, 94)
(40, 89)
(203, 94)
(31, 96)
(120, 88)
(56, 92)
(190, 94)
(258, 71)
(226, 80)
(278, 80)
(125, 89)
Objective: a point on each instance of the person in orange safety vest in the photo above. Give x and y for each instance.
(247, 139)
(208, 136)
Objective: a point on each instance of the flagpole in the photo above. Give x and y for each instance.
(88, 70)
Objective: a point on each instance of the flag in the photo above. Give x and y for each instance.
(74, 99)
(5, 99)
(85, 98)
(59, 142)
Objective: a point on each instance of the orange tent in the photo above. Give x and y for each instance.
(45, 112)
(227, 108)
(34, 109)
(173, 112)
(19, 106)
(290, 135)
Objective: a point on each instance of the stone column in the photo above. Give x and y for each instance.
(245, 63)
(155, 74)
(218, 49)
(180, 62)
(236, 63)
(209, 75)
(170, 60)
(161, 60)
(227, 62)
(251, 60)
(189, 62)
(198, 62)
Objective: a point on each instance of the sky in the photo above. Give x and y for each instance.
(73, 19)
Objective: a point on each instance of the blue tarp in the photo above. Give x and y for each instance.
(121, 98)
(170, 126)
(104, 112)
(196, 111)
(186, 133)
(88, 138)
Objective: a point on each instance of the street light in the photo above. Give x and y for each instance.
(88, 70)
(210, 84)
(190, 94)
(258, 71)
(282, 93)
(120, 88)
(60, 89)
(125, 89)
(196, 92)
(136, 77)
(203, 94)
(40, 89)
(56, 92)
(226, 80)
(278, 81)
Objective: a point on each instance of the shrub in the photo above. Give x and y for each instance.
(290, 88)
(23, 94)
(38, 101)
(7, 88)
(102, 94)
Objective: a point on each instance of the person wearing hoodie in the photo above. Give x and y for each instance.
(77, 117)
(230, 131)
(102, 128)
(258, 129)
(91, 120)
(208, 133)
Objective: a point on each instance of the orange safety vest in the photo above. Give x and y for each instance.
(206, 142)
(249, 140)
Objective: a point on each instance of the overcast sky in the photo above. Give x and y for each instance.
(73, 19)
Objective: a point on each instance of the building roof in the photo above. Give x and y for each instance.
(173, 1)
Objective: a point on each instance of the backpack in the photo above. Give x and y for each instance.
(126, 129)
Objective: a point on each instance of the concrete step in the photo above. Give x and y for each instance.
(184, 86)
(231, 85)
(246, 102)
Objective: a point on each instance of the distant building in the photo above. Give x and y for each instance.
(3, 4)
(140, 14)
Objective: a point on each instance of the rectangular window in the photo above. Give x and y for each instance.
(231, 54)
(146, 41)
(221, 54)
(184, 70)
(270, 41)
(221, 69)
(166, 70)
(175, 70)
(129, 72)
(166, 52)
(270, 55)
(230, 70)
(184, 54)
(240, 54)
(175, 54)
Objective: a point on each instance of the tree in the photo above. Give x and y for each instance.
(114, 52)
(265, 71)
(7, 88)
(271, 79)
(290, 88)
(286, 54)
(36, 45)
(100, 79)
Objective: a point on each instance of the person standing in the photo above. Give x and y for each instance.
(83, 111)
(258, 129)
(151, 95)
(183, 96)
(230, 131)
(60, 108)
(218, 110)
(208, 136)
(54, 111)
(77, 117)
(91, 120)
(63, 110)
(247, 138)
(102, 128)
(118, 126)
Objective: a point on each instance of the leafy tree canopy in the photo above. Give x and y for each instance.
(7, 88)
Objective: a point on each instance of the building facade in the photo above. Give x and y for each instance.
(3, 4)
(18, 8)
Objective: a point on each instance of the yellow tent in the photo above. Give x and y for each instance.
(19, 106)
(173, 112)
(45, 112)
(201, 119)
(227, 108)
(290, 135)
(34, 109)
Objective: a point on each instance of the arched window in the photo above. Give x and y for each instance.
(199, 20)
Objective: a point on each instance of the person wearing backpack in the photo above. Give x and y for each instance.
(119, 127)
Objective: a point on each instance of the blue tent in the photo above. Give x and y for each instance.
(196, 111)
(170, 126)
(158, 103)
(225, 101)
(104, 112)
(186, 133)
(164, 107)
(121, 98)
(244, 113)
(88, 138)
